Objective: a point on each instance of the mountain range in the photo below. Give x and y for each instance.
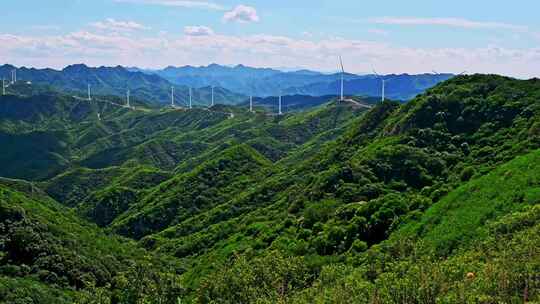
(231, 85)
(265, 82)
(436, 200)
(153, 89)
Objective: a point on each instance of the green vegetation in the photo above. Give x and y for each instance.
(49, 255)
(433, 201)
(113, 82)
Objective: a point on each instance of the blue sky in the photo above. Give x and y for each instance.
(392, 36)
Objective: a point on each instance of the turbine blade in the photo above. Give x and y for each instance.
(341, 63)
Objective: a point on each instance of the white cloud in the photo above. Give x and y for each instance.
(198, 31)
(113, 25)
(178, 3)
(242, 14)
(452, 22)
(113, 48)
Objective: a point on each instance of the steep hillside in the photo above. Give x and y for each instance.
(115, 81)
(357, 190)
(372, 203)
(48, 255)
(459, 219)
(478, 244)
(182, 197)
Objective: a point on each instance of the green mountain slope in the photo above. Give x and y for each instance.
(182, 197)
(358, 189)
(478, 244)
(45, 246)
(395, 203)
(460, 218)
(115, 81)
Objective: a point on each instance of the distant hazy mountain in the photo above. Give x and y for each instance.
(116, 81)
(264, 82)
(398, 87)
(246, 80)
(232, 84)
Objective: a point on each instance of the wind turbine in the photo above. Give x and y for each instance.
(172, 96)
(251, 97)
(190, 98)
(3, 86)
(127, 98)
(89, 96)
(279, 105)
(383, 84)
(212, 97)
(342, 78)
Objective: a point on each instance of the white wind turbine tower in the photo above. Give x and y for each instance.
(172, 97)
(342, 78)
(3, 86)
(383, 81)
(251, 98)
(127, 98)
(212, 104)
(89, 96)
(279, 105)
(190, 98)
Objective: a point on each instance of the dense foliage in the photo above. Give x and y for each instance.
(48, 255)
(433, 201)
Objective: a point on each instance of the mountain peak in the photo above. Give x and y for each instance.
(7, 66)
(76, 68)
(239, 66)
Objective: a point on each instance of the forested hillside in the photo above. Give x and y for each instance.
(49, 255)
(432, 201)
(115, 81)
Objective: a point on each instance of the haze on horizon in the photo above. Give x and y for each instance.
(416, 36)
